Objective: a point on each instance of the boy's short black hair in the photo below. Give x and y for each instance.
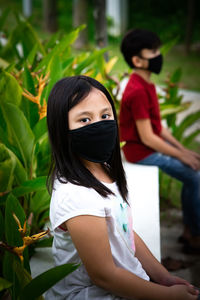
(136, 40)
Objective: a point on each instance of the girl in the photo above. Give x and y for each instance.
(89, 211)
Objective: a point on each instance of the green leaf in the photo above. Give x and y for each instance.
(29, 186)
(7, 166)
(187, 122)
(10, 90)
(188, 139)
(44, 243)
(59, 48)
(40, 202)
(19, 132)
(32, 55)
(23, 276)
(13, 236)
(55, 71)
(28, 80)
(1, 226)
(168, 46)
(89, 60)
(40, 129)
(45, 281)
(169, 109)
(176, 76)
(3, 17)
(4, 284)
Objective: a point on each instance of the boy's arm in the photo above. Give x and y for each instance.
(166, 134)
(150, 139)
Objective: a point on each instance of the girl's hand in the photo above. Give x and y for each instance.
(183, 292)
(174, 280)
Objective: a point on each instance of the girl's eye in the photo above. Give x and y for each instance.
(85, 120)
(105, 116)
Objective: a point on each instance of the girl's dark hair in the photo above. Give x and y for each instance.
(66, 165)
(136, 40)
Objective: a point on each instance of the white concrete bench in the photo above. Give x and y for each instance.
(143, 186)
(144, 196)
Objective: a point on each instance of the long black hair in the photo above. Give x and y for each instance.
(65, 165)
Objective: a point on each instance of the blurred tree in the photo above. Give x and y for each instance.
(50, 15)
(80, 16)
(100, 23)
(189, 25)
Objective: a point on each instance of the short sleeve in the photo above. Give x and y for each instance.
(69, 200)
(139, 105)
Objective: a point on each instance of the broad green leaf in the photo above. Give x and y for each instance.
(55, 73)
(28, 81)
(32, 55)
(186, 141)
(44, 243)
(19, 132)
(1, 226)
(90, 59)
(13, 236)
(37, 184)
(45, 281)
(176, 76)
(3, 17)
(29, 38)
(169, 109)
(7, 166)
(3, 63)
(53, 39)
(40, 129)
(40, 202)
(23, 276)
(4, 284)
(10, 90)
(9, 274)
(168, 46)
(187, 122)
(29, 108)
(59, 48)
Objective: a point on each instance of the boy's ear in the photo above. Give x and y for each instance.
(137, 62)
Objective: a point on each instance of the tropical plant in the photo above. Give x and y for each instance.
(29, 69)
(171, 103)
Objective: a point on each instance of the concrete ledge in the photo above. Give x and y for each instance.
(143, 185)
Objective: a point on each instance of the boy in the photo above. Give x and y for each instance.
(147, 141)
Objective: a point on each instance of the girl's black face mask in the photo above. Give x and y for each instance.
(95, 142)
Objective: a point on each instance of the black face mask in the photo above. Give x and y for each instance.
(155, 63)
(95, 142)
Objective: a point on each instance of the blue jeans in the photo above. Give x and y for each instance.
(190, 195)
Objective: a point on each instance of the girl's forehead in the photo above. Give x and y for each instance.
(95, 99)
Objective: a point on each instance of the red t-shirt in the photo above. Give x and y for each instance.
(139, 101)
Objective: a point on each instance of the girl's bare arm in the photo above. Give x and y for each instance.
(90, 237)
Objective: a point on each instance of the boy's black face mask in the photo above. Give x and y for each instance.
(155, 63)
(95, 142)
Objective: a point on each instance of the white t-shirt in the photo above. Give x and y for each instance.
(68, 201)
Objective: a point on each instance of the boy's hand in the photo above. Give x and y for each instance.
(190, 160)
(195, 154)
